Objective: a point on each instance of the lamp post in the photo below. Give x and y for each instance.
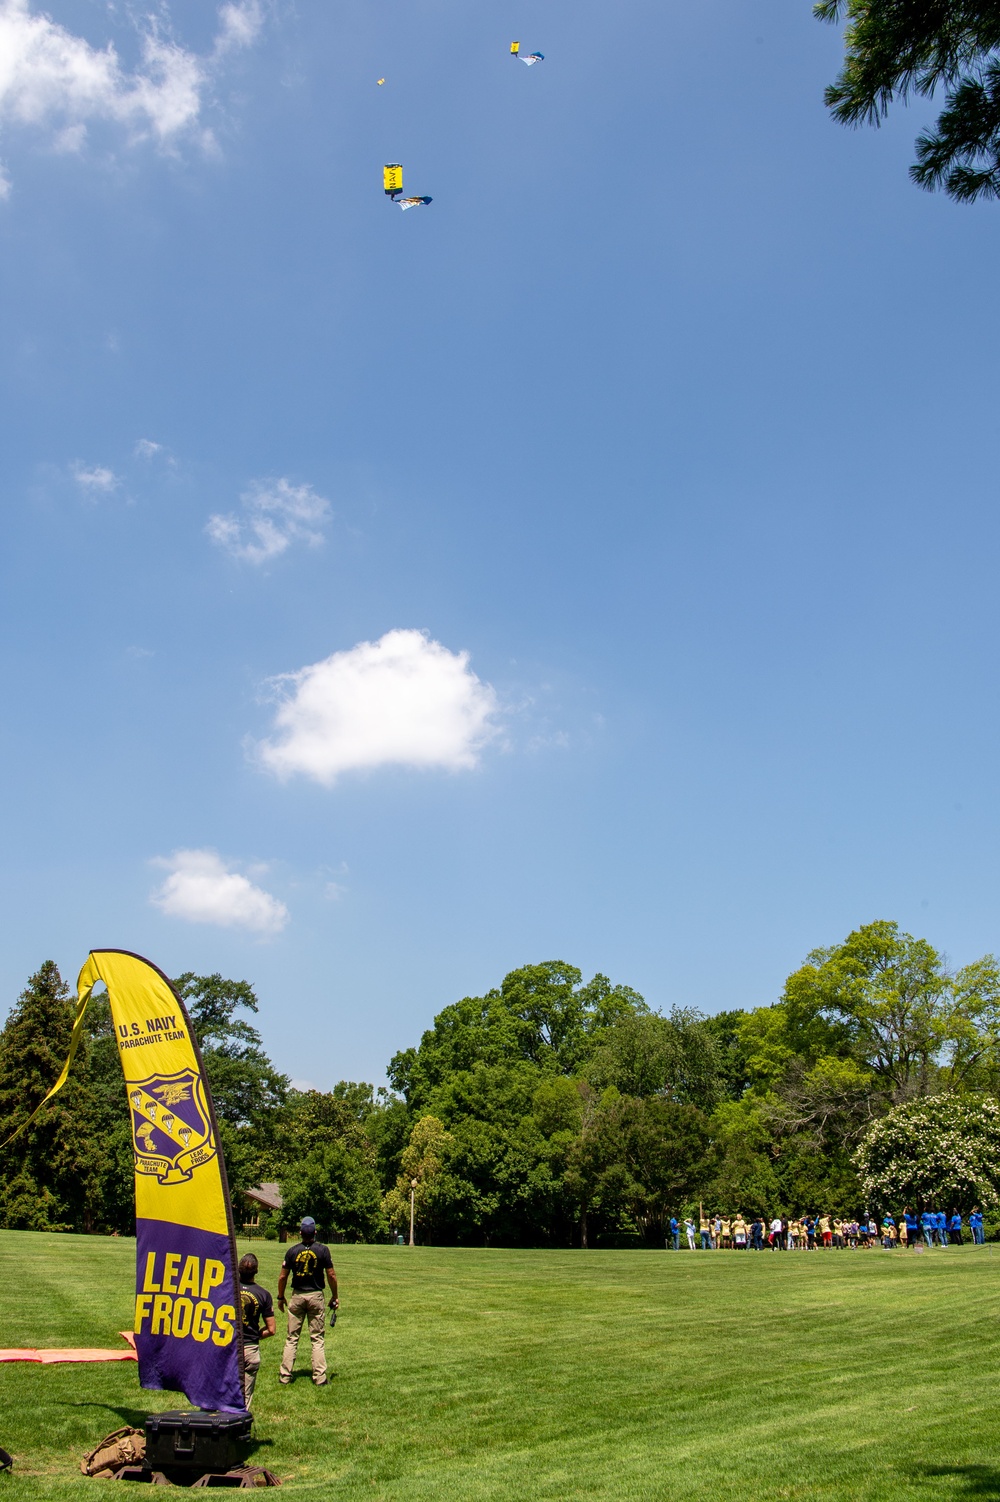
(413, 1190)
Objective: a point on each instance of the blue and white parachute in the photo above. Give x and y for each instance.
(530, 58)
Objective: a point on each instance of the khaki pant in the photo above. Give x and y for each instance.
(251, 1366)
(302, 1307)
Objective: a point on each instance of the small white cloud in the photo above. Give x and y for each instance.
(239, 26)
(276, 513)
(201, 888)
(95, 479)
(403, 700)
(145, 448)
(71, 140)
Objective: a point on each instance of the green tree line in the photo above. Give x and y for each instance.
(551, 1111)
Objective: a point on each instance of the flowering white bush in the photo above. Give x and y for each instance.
(943, 1150)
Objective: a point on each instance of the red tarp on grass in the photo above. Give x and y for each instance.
(49, 1356)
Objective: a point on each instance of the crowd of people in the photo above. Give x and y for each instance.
(813, 1232)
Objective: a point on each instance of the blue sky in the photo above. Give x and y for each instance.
(654, 460)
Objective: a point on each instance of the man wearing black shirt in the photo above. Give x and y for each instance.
(307, 1262)
(258, 1322)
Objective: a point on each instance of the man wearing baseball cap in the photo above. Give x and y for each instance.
(307, 1262)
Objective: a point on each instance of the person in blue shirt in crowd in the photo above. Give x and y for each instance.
(955, 1230)
(911, 1227)
(942, 1228)
(675, 1232)
(927, 1226)
(976, 1226)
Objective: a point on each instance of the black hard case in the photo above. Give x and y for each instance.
(202, 1441)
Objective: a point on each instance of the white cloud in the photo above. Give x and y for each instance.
(96, 479)
(145, 448)
(201, 888)
(52, 79)
(276, 514)
(403, 699)
(239, 26)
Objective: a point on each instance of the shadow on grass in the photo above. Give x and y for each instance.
(971, 1480)
(134, 1417)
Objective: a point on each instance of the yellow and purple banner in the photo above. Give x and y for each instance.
(188, 1335)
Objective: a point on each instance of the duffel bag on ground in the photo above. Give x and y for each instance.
(124, 1447)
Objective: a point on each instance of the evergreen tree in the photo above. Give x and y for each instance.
(893, 50)
(48, 1177)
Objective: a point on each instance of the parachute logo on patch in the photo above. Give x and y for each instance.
(171, 1127)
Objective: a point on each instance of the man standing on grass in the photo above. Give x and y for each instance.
(258, 1322)
(307, 1262)
(976, 1226)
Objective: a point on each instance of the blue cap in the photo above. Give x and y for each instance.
(307, 1223)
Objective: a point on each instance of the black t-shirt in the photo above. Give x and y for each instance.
(307, 1262)
(257, 1307)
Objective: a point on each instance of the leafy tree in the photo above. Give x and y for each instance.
(338, 1186)
(422, 1160)
(880, 995)
(646, 1054)
(246, 1087)
(247, 1090)
(637, 1158)
(895, 48)
(971, 1029)
(731, 1064)
(744, 1176)
(543, 1015)
(944, 1150)
(830, 1104)
(48, 1172)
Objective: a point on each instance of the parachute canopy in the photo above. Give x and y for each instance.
(515, 48)
(392, 178)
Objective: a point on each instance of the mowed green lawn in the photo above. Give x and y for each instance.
(492, 1374)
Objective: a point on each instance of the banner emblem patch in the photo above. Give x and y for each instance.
(171, 1129)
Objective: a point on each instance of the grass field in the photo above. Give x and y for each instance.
(492, 1374)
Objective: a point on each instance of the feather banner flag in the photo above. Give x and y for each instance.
(188, 1335)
